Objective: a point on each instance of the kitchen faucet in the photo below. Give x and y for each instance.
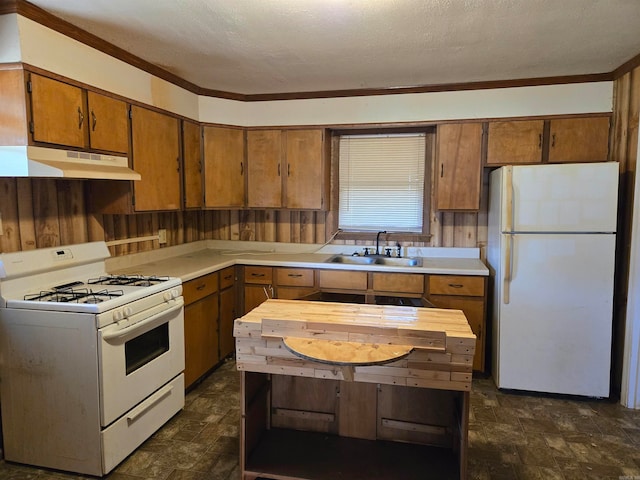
(378, 242)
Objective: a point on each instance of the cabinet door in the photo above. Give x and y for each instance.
(58, 112)
(342, 280)
(459, 166)
(398, 282)
(579, 140)
(254, 295)
(227, 317)
(224, 167)
(473, 308)
(192, 161)
(200, 337)
(512, 143)
(306, 179)
(264, 162)
(156, 156)
(108, 123)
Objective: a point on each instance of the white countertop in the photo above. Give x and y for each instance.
(195, 259)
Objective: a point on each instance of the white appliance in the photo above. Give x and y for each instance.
(90, 364)
(551, 250)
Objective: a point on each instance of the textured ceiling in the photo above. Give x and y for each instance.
(280, 46)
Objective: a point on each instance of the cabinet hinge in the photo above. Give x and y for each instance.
(29, 86)
(31, 128)
(130, 113)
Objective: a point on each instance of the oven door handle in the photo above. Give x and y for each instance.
(152, 321)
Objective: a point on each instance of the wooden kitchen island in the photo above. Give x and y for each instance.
(353, 391)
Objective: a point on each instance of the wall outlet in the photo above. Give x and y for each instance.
(162, 235)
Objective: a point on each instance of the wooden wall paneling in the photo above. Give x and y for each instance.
(155, 225)
(10, 238)
(465, 232)
(283, 232)
(95, 227)
(120, 232)
(71, 210)
(144, 227)
(234, 225)
(247, 225)
(270, 227)
(26, 214)
(447, 230)
(260, 215)
(45, 212)
(483, 215)
(108, 231)
(620, 119)
(132, 232)
(223, 230)
(307, 226)
(295, 226)
(207, 224)
(320, 228)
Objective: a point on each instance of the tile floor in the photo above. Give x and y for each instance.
(512, 436)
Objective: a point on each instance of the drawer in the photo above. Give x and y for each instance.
(260, 275)
(227, 277)
(335, 279)
(294, 277)
(398, 282)
(200, 287)
(456, 285)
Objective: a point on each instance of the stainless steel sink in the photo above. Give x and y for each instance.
(399, 262)
(353, 260)
(376, 260)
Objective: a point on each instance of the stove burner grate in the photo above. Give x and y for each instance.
(133, 280)
(70, 295)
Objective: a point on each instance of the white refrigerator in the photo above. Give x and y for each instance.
(551, 252)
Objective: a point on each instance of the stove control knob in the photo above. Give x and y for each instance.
(117, 315)
(167, 296)
(127, 311)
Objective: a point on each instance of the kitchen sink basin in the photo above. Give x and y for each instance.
(399, 262)
(350, 259)
(376, 260)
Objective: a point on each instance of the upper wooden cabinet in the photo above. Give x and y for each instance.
(192, 164)
(579, 139)
(58, 112)
(307, 176)
(70, 116)
(224, 167)
(264, 163)
(288, 169)
(515, 142)
(156, 156)
(108, 123)
(557, 140)
(459, 166)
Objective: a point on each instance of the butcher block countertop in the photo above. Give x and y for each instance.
(192, 260)
(409, 346)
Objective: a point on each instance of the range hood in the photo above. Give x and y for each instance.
(30, 161)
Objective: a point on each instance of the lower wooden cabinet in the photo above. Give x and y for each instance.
(468, 294)
(201, 317)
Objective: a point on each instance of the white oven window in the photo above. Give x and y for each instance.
(146, 347)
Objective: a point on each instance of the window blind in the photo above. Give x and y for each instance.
(382, 182)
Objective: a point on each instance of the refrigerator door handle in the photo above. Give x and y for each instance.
(508, 177)
(508, 269)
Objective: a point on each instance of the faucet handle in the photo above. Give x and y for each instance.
(398, 250)
(387, 252)
(366, 251)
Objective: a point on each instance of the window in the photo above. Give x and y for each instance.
(382, 182)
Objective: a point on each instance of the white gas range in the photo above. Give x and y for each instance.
(90, 363)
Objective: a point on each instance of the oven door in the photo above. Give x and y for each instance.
(138, 356)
